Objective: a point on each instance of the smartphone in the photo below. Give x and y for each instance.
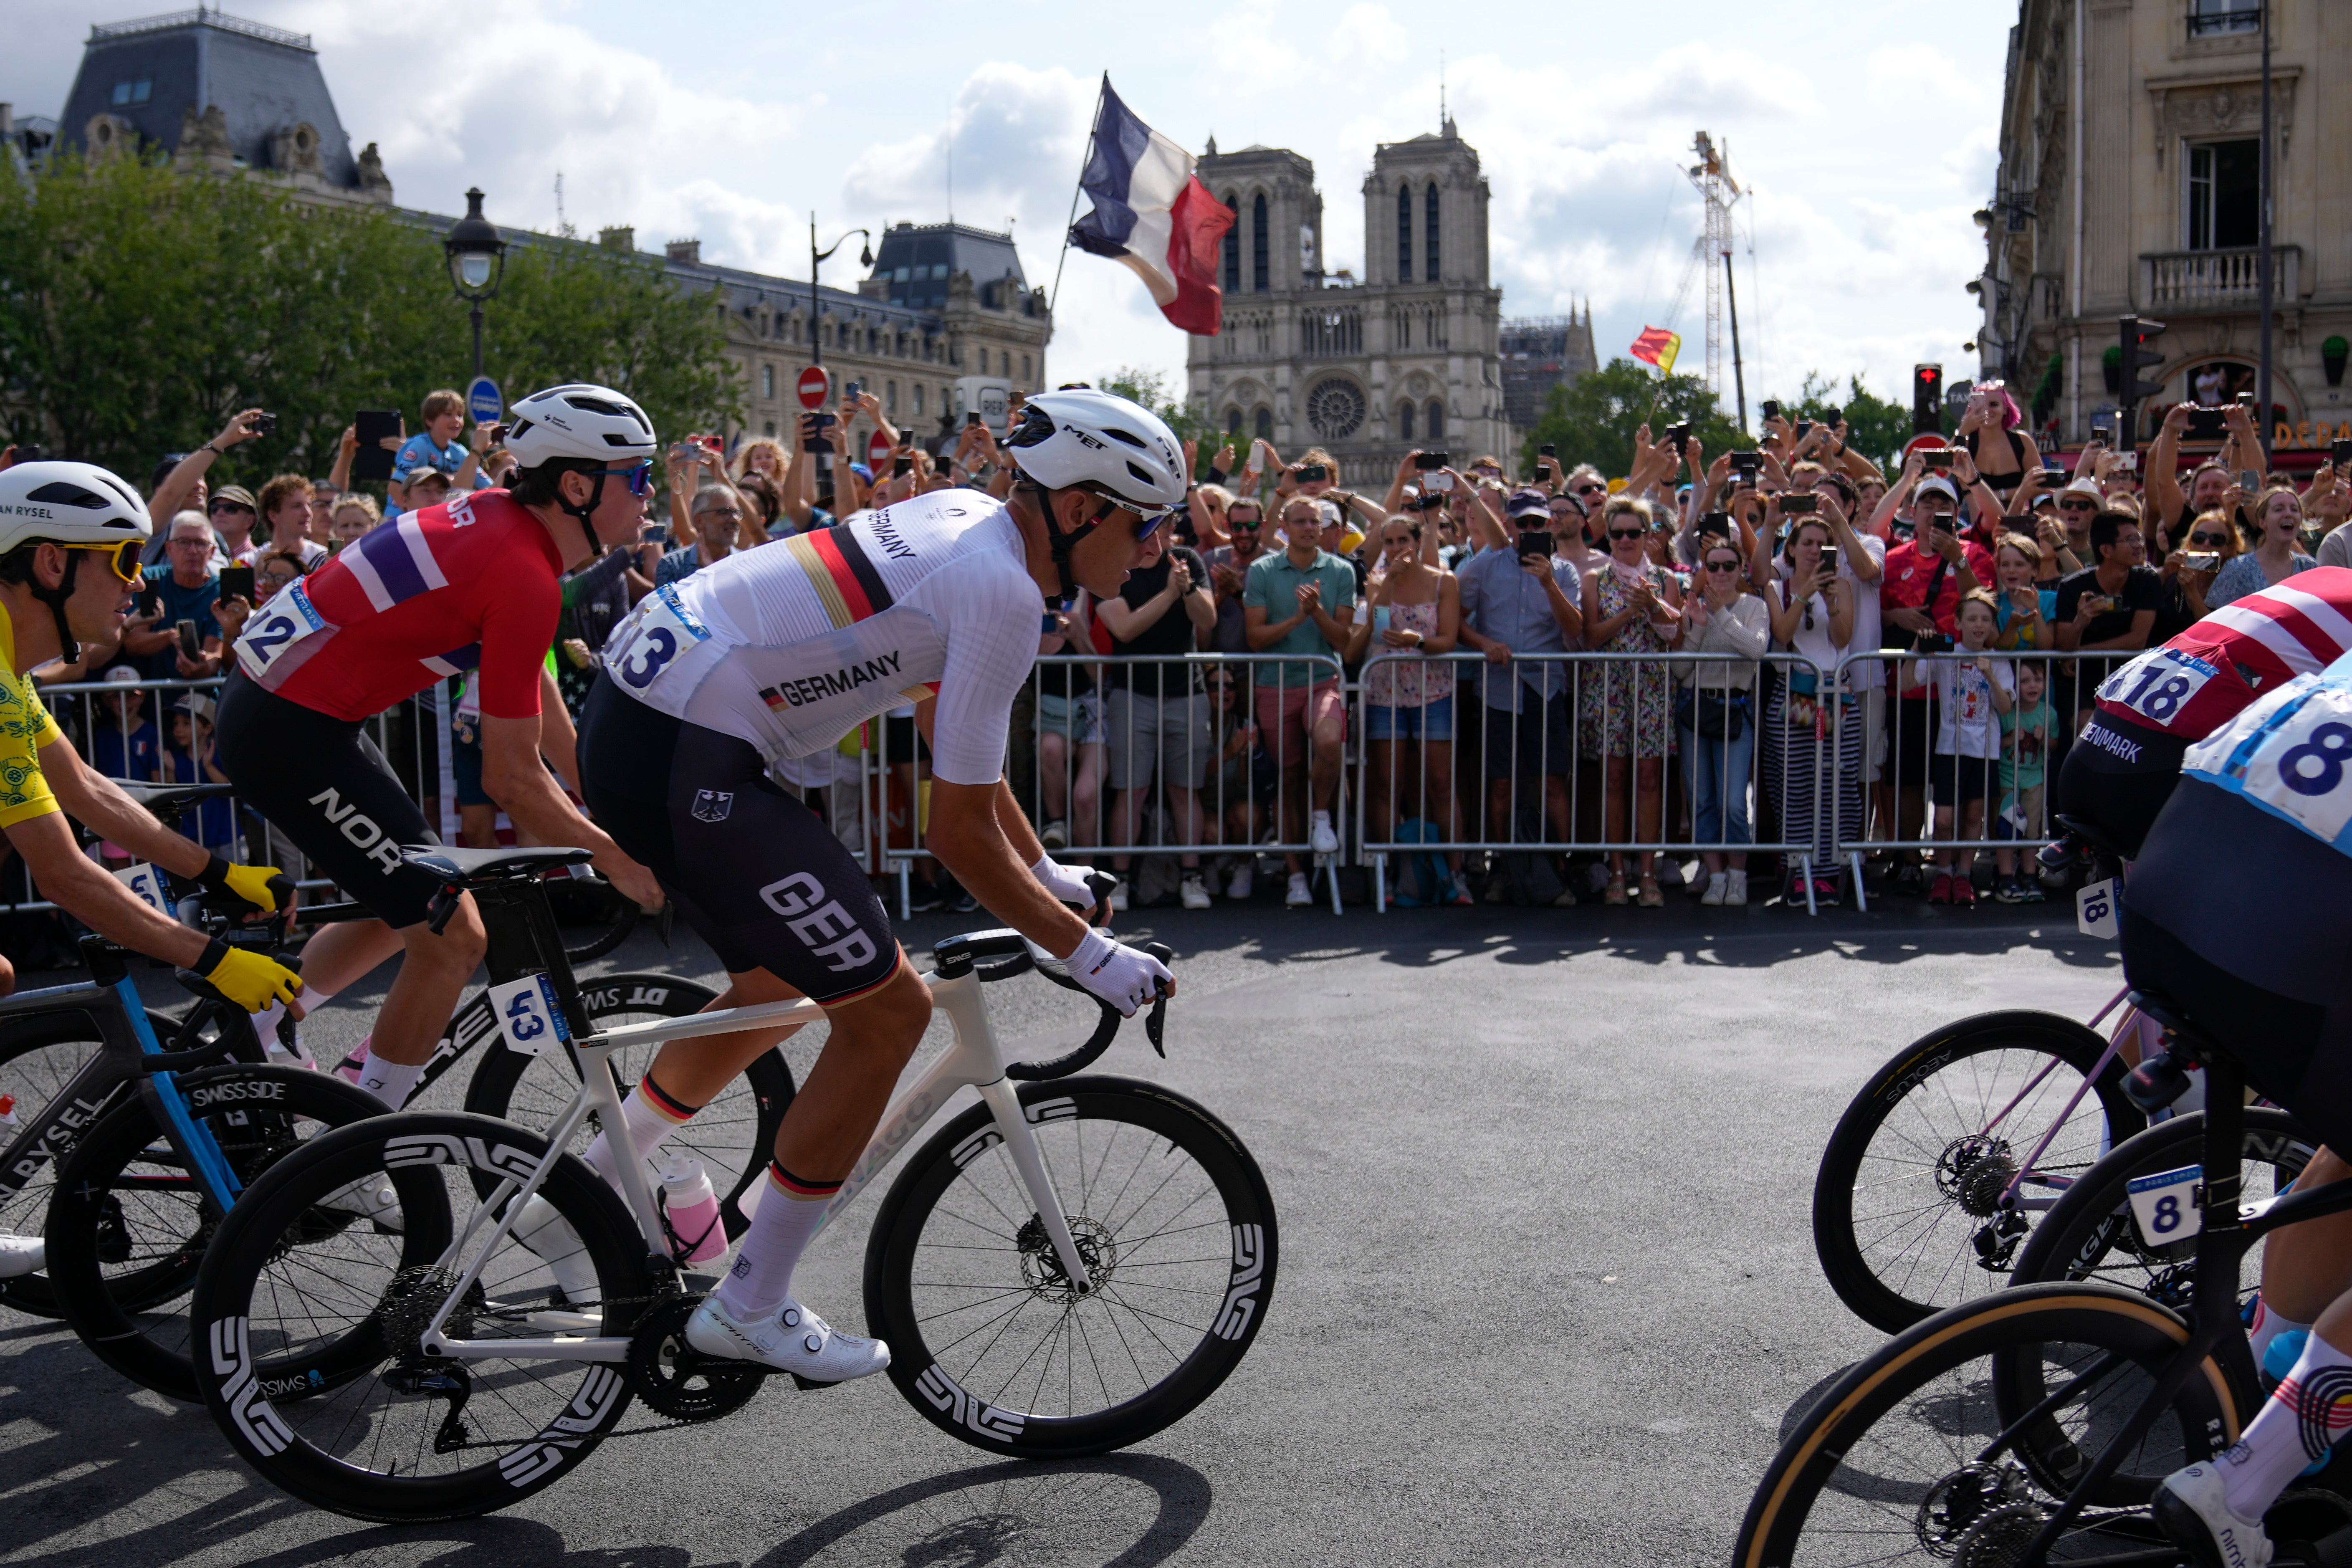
(1828, 561)
(1804, 428)
(1799, 505)
(29, 453)
(2127, 462)
(2249, 480)
(149, 599)
(1549, 450)
(1716, 524)
(1441, 482)
(2053, 475)
(2245, 400)
(1745, 464)
(970, 417)
(1310, 472)
(263, 424)
(850, 392)
(902, 467)
(1832, 415)
(236, 582)
(657, 533)
(812, 429)
(688, 451)
(1770, 409)
(1676, 435)
(2207, 424)
(373, 427)
(1536, 542)
(1429, 462)
(2103, 432)
(188, 643)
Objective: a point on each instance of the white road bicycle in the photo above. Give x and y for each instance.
(1066, 1269)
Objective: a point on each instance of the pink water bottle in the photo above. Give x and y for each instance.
(693, 1209)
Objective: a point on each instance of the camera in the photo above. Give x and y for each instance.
(1770, 409)
(262, 425)
(1798, 504)
(1310, 472)
(2201, 563)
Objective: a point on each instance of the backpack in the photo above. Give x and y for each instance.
(1420, 880)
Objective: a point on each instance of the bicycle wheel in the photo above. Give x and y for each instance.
(39, 1055)
(130, 1223)
(732, 1136)
(987, 1338)
(1900, 1462)
(2090, 1233)
(408, 1439)
(1908, 1210)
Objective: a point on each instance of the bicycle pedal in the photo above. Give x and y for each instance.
(808, 1384)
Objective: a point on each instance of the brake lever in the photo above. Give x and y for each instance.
(1156, 1021)
(444, 910)
(664, 922)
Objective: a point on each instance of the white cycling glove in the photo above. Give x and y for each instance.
(1066, 883)
(1126, 977)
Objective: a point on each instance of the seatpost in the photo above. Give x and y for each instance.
(2221, 1245)
(522, 938)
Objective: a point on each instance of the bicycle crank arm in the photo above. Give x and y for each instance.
(562, 1347)
(1020, 1143)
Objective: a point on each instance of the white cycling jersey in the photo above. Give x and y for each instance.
(791, 644)
(2290, 753)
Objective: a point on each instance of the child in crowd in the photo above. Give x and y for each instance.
(1973, 689)
(2025, 729)
(189, 756)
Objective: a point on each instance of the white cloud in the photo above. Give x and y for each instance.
(1905, 76)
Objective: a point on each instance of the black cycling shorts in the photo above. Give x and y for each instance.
(321, 782)
(756, 872)
(2117, 775)
(2242, 919)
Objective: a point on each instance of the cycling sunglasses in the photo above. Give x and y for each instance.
(640, 477)
(123, 557)
(1148, 519)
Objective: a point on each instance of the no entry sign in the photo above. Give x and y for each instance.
(814, 384)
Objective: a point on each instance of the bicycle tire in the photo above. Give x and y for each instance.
(38, 1079)
(614, 932)
(1897, 1142)
(2089, 1235)
(124, 1177)
(978, 1400)
(323, 1447)
(1915, 1392)
(733, 1135)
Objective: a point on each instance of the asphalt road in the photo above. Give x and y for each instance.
(1547, 1290)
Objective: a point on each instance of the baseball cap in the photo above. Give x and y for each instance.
(235, 495)
(194, 706)
(1937, 485)
(120, 675)
(862, 471)
(1529, 502)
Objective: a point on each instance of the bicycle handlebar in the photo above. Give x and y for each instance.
(961, 955)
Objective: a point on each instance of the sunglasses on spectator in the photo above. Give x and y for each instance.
(123, 558)
(1245, 525)
(1723, 565)
(2078, 506)
(228, 506)
(1590, 488)
(728, 512)
(1625, 532)
(2213, 538)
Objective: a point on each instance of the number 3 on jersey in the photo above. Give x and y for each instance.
(661, 629)
(275, 629)
(2158, 684)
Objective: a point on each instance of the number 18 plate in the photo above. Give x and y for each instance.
(2164, 1205)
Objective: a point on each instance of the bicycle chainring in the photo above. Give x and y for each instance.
(677, 1381)
(1041, 1266)
(1957, 1504)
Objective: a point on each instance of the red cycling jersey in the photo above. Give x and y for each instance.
(469, 584)
(2200, 679)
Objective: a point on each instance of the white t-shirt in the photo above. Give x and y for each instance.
(1970, 726)
(792, 646)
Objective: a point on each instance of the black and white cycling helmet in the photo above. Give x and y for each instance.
(1080, 439)
(75, 504)
(582, 422)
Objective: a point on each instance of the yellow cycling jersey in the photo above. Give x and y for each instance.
(25, 727)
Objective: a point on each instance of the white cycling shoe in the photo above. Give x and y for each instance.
(21, 1255)
(789, 1338)
(372, 1198)
(2190, 1508)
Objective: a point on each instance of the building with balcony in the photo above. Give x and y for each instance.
(1369, 368)
(2130, 184)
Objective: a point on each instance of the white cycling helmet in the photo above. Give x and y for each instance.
(70, 504)
(1080, 439)
(586, 422)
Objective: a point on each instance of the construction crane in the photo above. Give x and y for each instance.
(1711, 253)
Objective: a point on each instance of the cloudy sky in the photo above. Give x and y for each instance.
(1863, 130)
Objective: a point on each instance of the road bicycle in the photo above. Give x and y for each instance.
(124, 1163)
(2032, 1427)
(1063, 1268)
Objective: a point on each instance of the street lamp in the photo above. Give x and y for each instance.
(864, 258)
(477, 258)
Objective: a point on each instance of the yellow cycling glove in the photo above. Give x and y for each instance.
(250, 883)
(251, 980)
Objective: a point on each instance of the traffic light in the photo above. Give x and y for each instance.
(1926, 399)
(2131, 389)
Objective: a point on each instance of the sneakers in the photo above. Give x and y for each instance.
(1460, 893)
(21, 1255)
(2008, 891)
(1735, 888)
(1499, 889)
(1941, 892)
(1298, 893)
(1963, 891)
(372, 1198)
(923, 897)
(2190, 1509)
(1056, 835)
(789, 1338)
(1244, 880)
(1719, 883)
(1194, 893)
(1320, 834)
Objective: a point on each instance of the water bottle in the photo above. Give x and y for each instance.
(693, 1207)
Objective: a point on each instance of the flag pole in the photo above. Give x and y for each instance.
(1054, 299)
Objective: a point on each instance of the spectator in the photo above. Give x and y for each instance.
(180, 485)
(189, 759)
(274, 570)
(718, 514)
(1246, 777)
(1158, 714)
(437, 450)
(1973, 689)
(2276, 554)
(1293, 603)
(1229, 571)
(2329, 501)
(1813, 615)
(1989, 434)
(595, 597)
(1416, 613)
(234, 516)
(2027, 727)
(1069, 732)
(1632, 606)
(1929, 567)
(1714, 710)
(2109, 607)
(2213, 539)
(1571, 524)
(2078, 504)
(1516, 603)
(761, 457)
(123, 742)
(2211, 487)
(2023, 609)
(353, 516)
(426, 488)
(324, 495)
(181, 592)
(286, 514)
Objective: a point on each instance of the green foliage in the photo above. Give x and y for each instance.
(1874, 429)
(1594, 420)
(140, 309)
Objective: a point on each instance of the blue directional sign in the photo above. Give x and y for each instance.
(483, 401)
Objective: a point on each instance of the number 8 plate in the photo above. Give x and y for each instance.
(2166, 1205)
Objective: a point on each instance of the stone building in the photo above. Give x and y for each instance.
(2130, 140)
(1541, 352)
(1368, 367)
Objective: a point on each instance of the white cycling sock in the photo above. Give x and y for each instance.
(311, 1000)
(2268, 1325)
(650, 1116)
(391, 1082)
(2297, 1425)
(781, 1229)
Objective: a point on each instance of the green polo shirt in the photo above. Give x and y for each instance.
(1273, 586)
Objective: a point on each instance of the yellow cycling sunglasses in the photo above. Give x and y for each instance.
(122, 557)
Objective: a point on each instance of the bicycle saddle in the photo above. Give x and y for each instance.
(471, 868)
(173, 797)
(2091, 834)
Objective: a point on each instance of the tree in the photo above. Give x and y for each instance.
(1595, 421)
(1874, 429)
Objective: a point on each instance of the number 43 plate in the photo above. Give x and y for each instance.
(527, 1015)
(2165, 1205)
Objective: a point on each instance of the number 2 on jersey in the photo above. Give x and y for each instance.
(280, 625)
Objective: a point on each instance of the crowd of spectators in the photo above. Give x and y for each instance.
(1557, 687)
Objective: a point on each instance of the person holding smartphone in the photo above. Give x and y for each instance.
(185, 589)
(2275, 550)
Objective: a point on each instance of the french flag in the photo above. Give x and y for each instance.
(1150, 212)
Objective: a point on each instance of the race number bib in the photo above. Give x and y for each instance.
(527, 1015)
(661, 629)
(2098, 909)
(276, 629)
(2164, 1205)
(2300, 764)
(2158, 684)
(146, 884)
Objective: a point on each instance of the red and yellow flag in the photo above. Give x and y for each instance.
(1658, 346)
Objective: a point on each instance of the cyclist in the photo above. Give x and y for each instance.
(2236, 913)
(471, 584)
(779, 652)
(69, 539)
(2121, 768)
